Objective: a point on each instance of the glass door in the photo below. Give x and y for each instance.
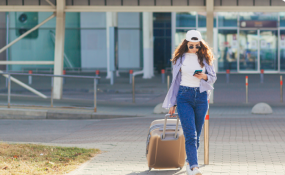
(248, 50)
(282, 50)
(268, 50)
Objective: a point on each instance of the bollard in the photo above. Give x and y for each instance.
(261, 75)
(9, 90)
(206, 138)
(30, 77)
(228, 75)
(97, 73)
(51, 94)
(163, 75)
(63, 79)
(133, 81)
(281, 89)
(131, 76)
(168, 82)
(246, 89)
(95, 94)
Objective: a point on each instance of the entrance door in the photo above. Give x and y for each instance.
(248, 50)
(268, 50)
(258, 50)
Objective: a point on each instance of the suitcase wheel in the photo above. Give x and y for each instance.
(149, 168)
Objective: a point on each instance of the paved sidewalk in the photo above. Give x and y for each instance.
(238, 145)
(240, 142)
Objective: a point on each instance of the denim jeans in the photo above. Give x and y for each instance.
(192, 108)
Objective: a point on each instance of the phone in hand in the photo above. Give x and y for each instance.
(197, 72)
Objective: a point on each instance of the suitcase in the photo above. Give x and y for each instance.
(165, 145)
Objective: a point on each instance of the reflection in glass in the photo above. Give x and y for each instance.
(258, 16)
(162, 40)
(248, 48)
(186, 19)
(202, 19)
(268, 50)
(227, 19)
(282, 50)
(227, 50)
(282, 19)
(180, 36)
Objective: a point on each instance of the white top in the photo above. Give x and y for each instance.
(188, 68)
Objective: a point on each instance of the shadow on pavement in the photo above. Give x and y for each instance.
(162, 172)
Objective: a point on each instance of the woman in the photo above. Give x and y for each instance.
(190, 92)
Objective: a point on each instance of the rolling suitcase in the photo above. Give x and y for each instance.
(165, 145)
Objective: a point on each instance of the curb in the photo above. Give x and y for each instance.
(13, 113)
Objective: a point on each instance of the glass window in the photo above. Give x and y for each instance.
(72, 44)
(37, 46)
(180, 36)
(162, 40)
(282, 50)
(258, 16)
(227, 19)
(282, 19)
(227, 50)
(186, 19)
(202, 22)
(248, 50)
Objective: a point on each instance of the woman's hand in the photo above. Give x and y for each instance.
(172, 111)
(201, 76)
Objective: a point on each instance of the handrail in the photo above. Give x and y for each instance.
(51, 75)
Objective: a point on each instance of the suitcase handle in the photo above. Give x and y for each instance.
(165, 122)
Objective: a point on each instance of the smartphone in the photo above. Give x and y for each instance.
(197, 71)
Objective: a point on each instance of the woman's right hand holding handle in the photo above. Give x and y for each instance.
(172, 111)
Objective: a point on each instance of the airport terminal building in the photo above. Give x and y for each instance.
(247, 36)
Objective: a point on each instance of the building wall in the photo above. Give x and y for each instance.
(40, 46)
(93, 40)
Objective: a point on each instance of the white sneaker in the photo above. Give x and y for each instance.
(188, 170)
(194, 172)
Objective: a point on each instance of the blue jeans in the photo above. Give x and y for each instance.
(192, 108)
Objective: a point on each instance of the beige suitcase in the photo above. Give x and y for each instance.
(165, 146)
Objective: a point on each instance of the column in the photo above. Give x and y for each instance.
(111, 21)
(147, 45)
(59, 48)
(210, 30)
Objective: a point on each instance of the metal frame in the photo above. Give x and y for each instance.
(51, 75)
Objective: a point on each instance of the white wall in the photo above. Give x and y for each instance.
(93, 40)
(129, 40)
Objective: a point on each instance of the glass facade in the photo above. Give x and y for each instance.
(227, 19)
(243, 42)
(248, 50)
(186, 19)
(85, 40)
(282, 19)
(37, 46)
(227, 49)
(282, 49)
(202, 20)
(162, 40)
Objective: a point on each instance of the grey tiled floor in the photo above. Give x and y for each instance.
(238, 145)
(240, 142)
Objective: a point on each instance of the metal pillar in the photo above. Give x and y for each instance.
(59, 48)
(147, 45)
(210, 30)
(210, 27)
(111, 21)
(206, 139)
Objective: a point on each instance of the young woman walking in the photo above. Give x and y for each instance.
(190, 92)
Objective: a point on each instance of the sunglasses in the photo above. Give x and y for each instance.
(197, 47)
